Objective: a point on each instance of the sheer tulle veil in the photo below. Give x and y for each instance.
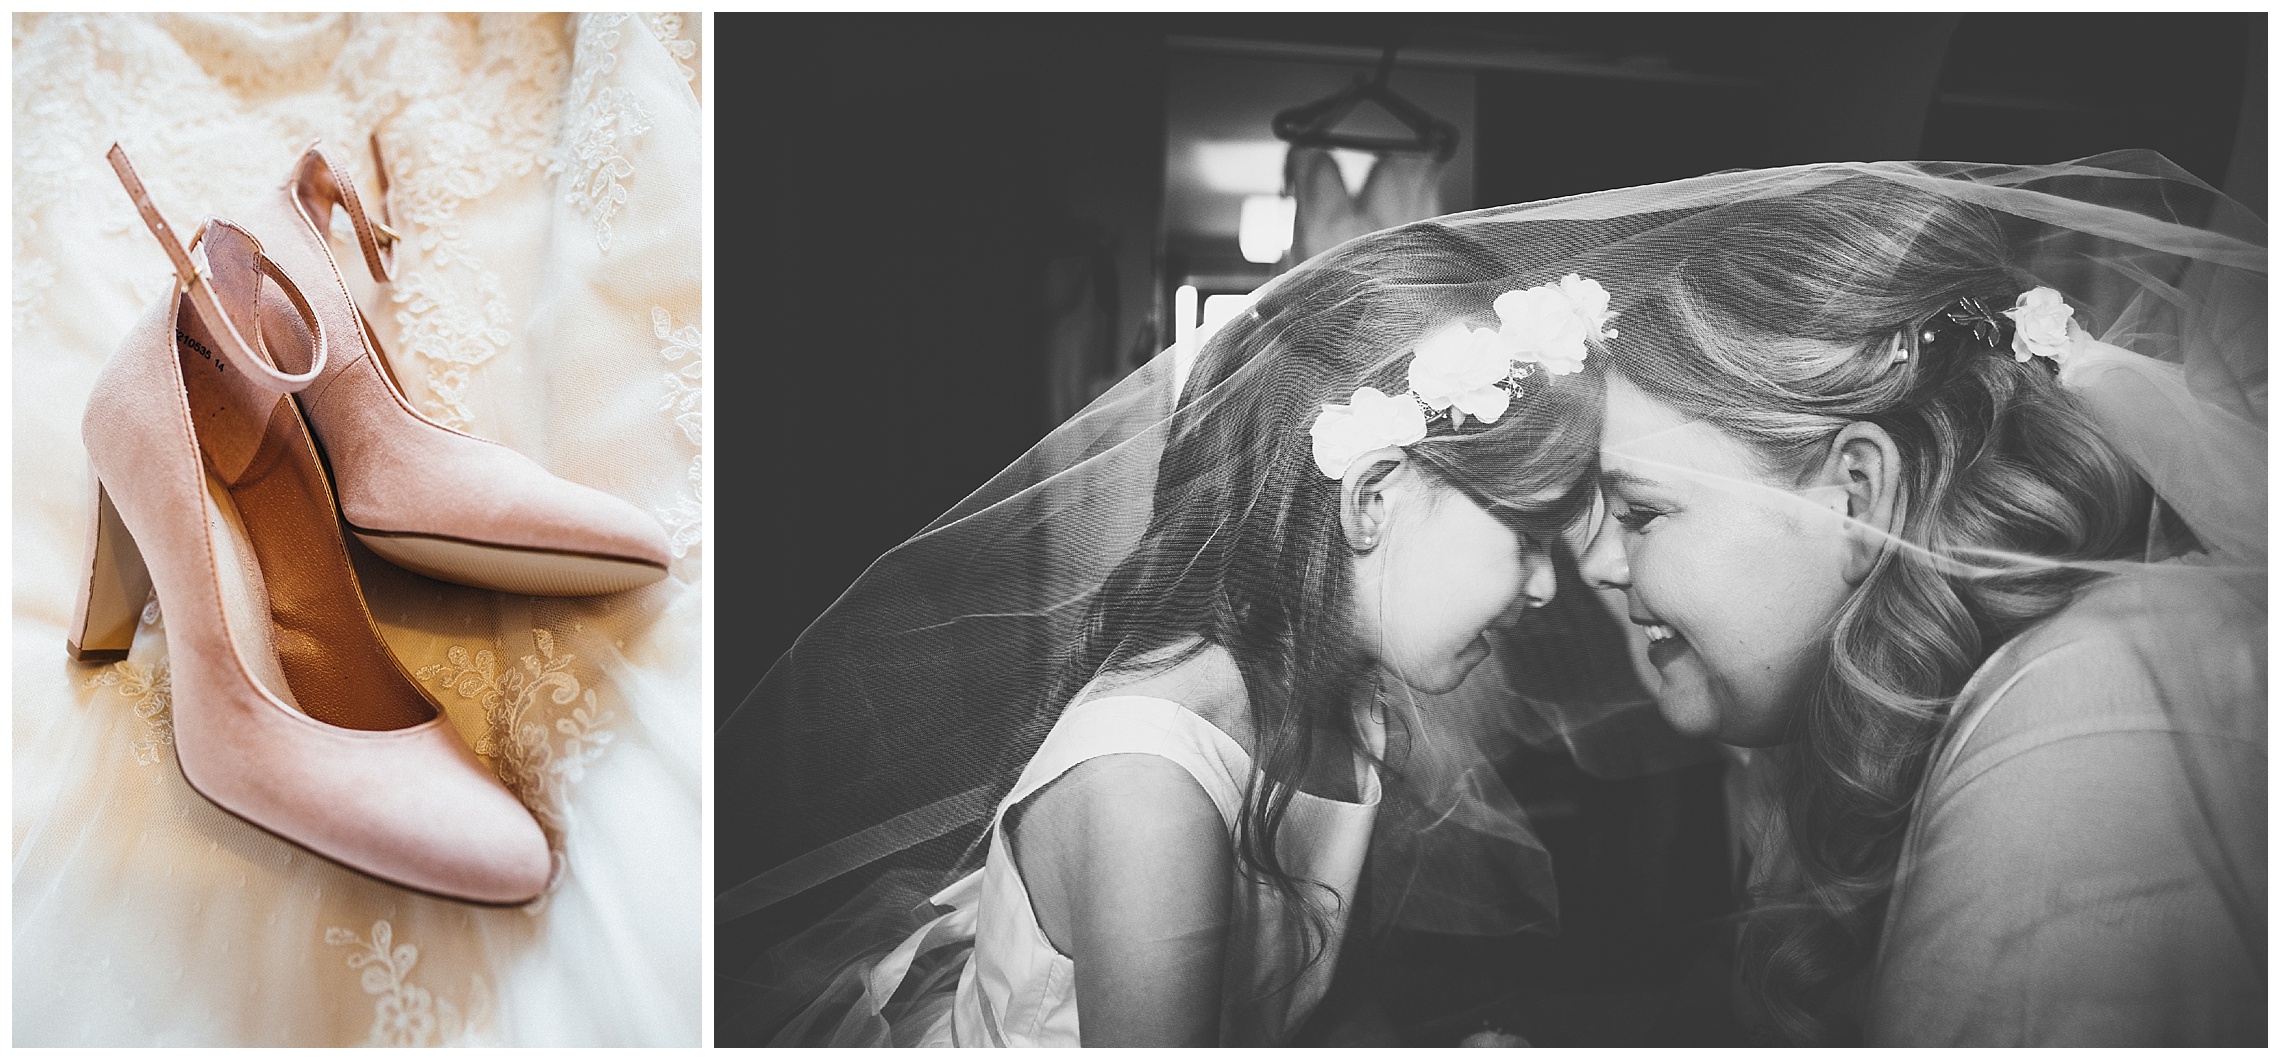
(872, 754)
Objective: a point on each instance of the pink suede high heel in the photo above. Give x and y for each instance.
(424, 496)
(289, 710)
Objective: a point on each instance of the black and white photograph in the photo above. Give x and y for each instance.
(1491, 529)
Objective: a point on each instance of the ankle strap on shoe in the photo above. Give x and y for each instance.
(194, 278)
(321, 182)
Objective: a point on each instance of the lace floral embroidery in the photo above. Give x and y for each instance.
(539, 748)
(150, 690)
(453, 133)
(459, 137)
(136, 87)
(666, 27)
(404, 1013)
(599, 117)
(33, 278)
(453, 337)
(684, 398)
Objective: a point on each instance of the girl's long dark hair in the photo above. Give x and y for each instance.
(1244, 550)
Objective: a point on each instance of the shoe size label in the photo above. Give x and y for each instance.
(182, 336)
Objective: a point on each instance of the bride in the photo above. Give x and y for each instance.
(1124, 733)
(1883, 507)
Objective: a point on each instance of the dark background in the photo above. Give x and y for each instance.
(892, 185)
(891, 189)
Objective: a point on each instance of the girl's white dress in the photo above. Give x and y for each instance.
(1015, 989)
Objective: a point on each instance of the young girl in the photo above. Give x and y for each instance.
(1365, 479)
(1884, 511)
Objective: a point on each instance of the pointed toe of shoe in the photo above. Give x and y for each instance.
(463, 836)
(505, 860)
(525, 869)
(600, 524)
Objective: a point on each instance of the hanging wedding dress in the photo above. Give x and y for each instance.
(544, 171)
(1398, 189)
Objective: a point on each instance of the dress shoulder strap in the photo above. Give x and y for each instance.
(1114, 725)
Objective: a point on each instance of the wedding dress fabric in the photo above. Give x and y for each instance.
(1400, 188)
(2138, 929)
(872, 755)
(545, 173)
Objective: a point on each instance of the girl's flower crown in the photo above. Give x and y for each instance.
(1462, 371)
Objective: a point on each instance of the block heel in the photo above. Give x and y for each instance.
(114, 585)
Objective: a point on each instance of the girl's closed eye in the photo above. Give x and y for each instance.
(1636, 517)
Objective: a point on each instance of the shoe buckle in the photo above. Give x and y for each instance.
(199, 271)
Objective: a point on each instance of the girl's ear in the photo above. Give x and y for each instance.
(1364, 504)
(1863, 464)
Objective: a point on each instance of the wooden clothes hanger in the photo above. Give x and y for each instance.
(1314, 124)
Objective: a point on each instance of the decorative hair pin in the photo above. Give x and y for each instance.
(2039, 325)
(1463, 371)
(1971, 314)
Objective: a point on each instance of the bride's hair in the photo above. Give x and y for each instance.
(1243, 548)
(1774, 320)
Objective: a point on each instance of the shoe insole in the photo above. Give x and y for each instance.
(289, 594)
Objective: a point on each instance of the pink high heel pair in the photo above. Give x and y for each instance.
(235, 432)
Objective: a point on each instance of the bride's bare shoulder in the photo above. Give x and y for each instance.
(1196, 674)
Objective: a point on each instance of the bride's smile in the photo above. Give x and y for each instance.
(1729, 573)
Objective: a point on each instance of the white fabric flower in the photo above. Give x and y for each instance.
(1550, 324)
(1591, 300)
(1462, 366)
(2041, 320)
(1342, 433)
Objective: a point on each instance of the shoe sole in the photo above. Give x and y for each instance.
(530, 572)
